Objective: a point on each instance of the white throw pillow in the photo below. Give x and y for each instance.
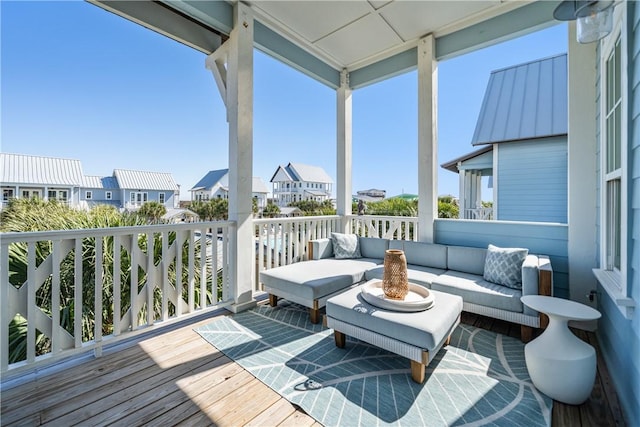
(345, 246)
(504, 266)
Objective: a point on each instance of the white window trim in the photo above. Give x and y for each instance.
(108, 195)
(615, 282)
(164, 197)
(88, 195)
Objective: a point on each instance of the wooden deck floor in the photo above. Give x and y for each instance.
(177, 378)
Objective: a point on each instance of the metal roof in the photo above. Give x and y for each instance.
(38, 170)
(307, 173)
(105, 182)
(214, 177)
(210, 179)
(453, 164)
(259, 186)
(143, 180)
(526, 101)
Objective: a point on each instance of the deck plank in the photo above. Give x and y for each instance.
(177, 378)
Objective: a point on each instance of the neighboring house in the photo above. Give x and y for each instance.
(26, 176)
(371, 195)
(138, 187)
(522, 129)
(297, 182)
(215, 185)
(100, 190)
(23, 176)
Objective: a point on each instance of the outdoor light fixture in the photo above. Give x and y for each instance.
(594, 18)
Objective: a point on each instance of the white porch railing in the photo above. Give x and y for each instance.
(387, 227)
(63, 292)
(283, 241)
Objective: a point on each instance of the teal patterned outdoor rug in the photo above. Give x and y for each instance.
(479, 379)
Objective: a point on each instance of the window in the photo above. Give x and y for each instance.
(88, 195)
(161, 198)
(108, 195)
(138, 198)
(7, 194)
(613, 160)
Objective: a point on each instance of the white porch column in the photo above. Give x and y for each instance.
(344, 149)
(427, 138)
(235, 82)
(582, 167)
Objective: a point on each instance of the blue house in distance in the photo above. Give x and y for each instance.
(522, 132)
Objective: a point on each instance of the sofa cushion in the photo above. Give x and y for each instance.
(415, 273)
(373, 247)
(474, 289)
(420, 253)
(314, 279)
(466, 259)
(504, 266)
(345, 246)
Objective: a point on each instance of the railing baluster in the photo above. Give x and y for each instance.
(179, 242)
(203, 268)
(55, 297)
(5, 317)
(150, 285)
(98, 298)
(31, 302)
(117, 285)
(164, 265)
(191, 279)
(135, 309)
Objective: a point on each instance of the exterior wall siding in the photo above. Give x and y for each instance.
(532, 180)
(540, 238)
(619, 338)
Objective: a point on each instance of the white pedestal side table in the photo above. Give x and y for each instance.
(561, 365)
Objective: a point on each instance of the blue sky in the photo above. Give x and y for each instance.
(78, 82)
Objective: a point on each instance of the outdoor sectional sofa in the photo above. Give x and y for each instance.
(457, 270)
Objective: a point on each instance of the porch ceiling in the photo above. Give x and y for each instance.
(372, 39)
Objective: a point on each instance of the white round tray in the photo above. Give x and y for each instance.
(419, 298)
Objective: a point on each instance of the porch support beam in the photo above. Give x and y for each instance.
(344, 149)
(239, 103)
(582, 146)
(427, 138)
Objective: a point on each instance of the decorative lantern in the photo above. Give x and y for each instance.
(395, 284)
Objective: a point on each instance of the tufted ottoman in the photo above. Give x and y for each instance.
(417, 336)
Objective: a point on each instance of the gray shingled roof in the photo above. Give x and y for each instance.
(133, 180)
(525, 101)
(105, 182)
(26, 169)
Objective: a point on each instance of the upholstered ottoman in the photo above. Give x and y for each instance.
(417, 336)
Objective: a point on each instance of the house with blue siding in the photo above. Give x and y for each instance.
(48, 178)
(522, 132)
(98, 190)
(137, 187)
(24, 177)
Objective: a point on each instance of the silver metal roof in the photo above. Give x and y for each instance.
(526, 101)
(308, 173)
(38, 170)
(143, 180)
(258, 186)
(212, 178)
(105, 182)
